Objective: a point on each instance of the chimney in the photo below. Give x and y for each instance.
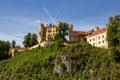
(96, 28)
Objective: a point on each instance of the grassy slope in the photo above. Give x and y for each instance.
(87, 62)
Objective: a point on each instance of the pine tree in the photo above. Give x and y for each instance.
(26, 41)
(13, 43)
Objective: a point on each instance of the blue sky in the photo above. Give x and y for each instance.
(18, 17)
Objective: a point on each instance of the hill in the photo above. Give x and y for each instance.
(79, 61)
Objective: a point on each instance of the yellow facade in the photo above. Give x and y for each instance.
(50, 32)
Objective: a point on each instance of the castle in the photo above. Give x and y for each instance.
(95, 37)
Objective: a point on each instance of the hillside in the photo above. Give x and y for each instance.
(79, 61)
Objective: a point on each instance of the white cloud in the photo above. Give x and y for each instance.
(49, 14)
(10, 38)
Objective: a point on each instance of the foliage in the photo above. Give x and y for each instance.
(113, 36)
(33, 39)
(87, 63)
(4, 49)
(113, 32)
(30, 40)
(26, 41)
(62, 31)
(13, 43)
(17, 46)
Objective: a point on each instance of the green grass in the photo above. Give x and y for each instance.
(87, 63)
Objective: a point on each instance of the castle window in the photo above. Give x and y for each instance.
(99, 37)
(93, 39)
(102, 36)
(49, 31)
(99, 42)
(93, 44)
(49, 35)
(103, 41)
(43, 31)
(90, 40)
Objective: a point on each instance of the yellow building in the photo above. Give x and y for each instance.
(48, 32)
(97, 37)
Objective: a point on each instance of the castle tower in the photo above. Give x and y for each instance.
(70, 32)
(42, 32)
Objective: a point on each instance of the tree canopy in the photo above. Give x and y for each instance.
(30, 40)
(113, 36)
(13, 43)
(113, 31)
(33, 39)
(62, 31)
(4, 49)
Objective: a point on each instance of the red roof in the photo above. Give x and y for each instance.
(98, 31)
(91, 32)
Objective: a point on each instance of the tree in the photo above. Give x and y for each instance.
(13, 43)
(113, 31)
(30, 40)
(113, 36)
(33, 39)
(4, 49)
(62, 31)
(26, 41)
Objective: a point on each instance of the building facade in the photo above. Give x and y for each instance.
(97, 37)
(78, 36)
(47, 32)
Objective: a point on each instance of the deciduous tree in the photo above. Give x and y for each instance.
(62, 31)
(30, 40)
(113, 31)
(33, 39)
(113, 35)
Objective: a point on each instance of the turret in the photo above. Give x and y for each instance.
(71, 27)
(42, 34)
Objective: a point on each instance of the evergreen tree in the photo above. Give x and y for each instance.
(4, 49)
(26, 41)
(13, 43)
